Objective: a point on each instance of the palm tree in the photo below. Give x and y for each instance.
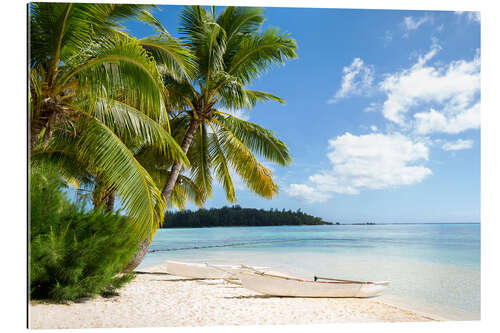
(94, 91)
(229, 54)
(185, 190)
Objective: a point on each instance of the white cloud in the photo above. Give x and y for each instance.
(448, 122)
(373, 128)
(411, 23)
(306, 193)
(357, 80)
(458, 145)
(471, 16)
(452, 88)
(372, 161)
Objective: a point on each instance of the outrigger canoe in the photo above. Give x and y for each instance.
(206, 271)
(276, 285)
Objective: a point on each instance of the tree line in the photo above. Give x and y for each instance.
(237, 216)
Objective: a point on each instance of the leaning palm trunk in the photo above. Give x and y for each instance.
(104, 196)
(108, 201)
(109, 204)
(139, 256)
(176, 167)
(166, 192)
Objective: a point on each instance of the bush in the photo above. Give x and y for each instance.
(73, 253)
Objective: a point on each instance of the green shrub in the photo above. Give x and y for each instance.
(73, 253)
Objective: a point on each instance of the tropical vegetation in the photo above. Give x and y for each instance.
(74, 253)
(95, 93)
(229, 53)
(148, 121)
(236, 216)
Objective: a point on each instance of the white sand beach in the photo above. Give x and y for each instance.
(156, 299)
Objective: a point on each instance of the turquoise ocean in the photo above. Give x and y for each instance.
(433, 268)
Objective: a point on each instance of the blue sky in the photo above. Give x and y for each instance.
(381, 117)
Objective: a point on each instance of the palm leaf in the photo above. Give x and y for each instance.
(59, 30)
(255, 96)
(257, 52)
(118, 66)
(238, 22)
(205, 38)
(108, 157)
(172, 59)
(258, 139)
(146, 17)
(158, 167)
(229, 90)
(129, 123)
(257, 177)
(221, 167)
(200, 161)
(66, 163)
(186, 190)
(180, 94)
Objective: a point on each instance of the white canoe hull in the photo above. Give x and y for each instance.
(203, 271)
(275, 286)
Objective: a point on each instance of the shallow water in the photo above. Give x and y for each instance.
(432, 267)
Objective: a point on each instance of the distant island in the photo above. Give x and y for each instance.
(236, 216)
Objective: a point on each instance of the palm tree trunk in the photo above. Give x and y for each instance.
(109, 201)
(167, 191)
(103, 196)
(139, 256)
(176, 168)
(35, 129)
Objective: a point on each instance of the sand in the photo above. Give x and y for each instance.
(156, 299)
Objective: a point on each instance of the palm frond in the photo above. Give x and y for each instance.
(35, 90)
(129, 123)
(180, 94)
(258, 139)
(123, 67)
(146, 17)
(179, 125)
(65, 161)
(200, 161)
(158, 167)
(65, 29)
(205, 38)
(109, 158)
(238, 22)
(257, 52)
(255, 96)
(172, 59)
(186, 190)
(256, 176)
(229, 90)
(221, 167)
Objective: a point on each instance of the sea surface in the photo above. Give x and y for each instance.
(433, 268)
